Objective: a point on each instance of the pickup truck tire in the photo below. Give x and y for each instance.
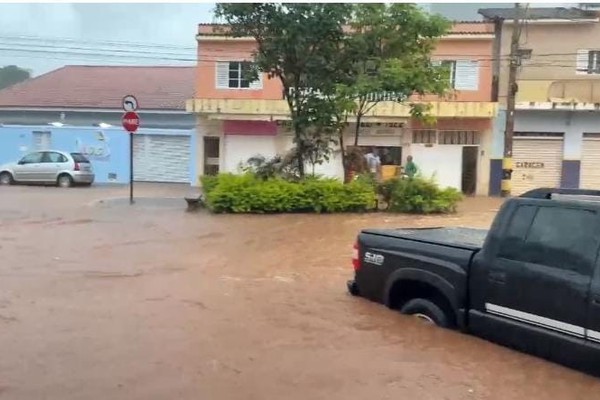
(427, 311)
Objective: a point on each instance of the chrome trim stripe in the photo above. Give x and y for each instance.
(537, 320)
(593, 335)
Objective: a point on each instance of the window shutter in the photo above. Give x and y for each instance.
(257, 84)
(582, 62)
(466, 75)
(222, 75)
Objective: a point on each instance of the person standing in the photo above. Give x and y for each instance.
(373, 162)
(411, 168)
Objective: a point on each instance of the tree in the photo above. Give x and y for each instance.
(11, 74)
(297, 44)
(387, 57)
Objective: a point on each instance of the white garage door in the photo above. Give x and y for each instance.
(161, 158)
(590, 164)
(537, 163)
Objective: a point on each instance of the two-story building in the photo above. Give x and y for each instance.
(557, 119)
(237, 119)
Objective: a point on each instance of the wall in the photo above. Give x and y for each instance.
(211, 50)
(443, 161)
(572, 124)
(107, 149)
(473, 49)
(434, 162)
(554, 48)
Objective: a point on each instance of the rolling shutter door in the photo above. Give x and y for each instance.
(537, 163)
(161, 158)
(590, 164)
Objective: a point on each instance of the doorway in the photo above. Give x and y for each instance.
(469, 170)
(211, 155)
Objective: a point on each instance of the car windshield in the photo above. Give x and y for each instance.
(79, 158)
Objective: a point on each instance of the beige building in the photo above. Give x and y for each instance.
(557, 124)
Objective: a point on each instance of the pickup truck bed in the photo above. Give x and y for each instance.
(464, 238)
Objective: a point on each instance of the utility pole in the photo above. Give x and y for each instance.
(515, 62)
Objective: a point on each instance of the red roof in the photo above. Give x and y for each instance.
(156, 88)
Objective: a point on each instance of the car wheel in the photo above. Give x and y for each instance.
(64, 181)
(6, 178)
(426, 311)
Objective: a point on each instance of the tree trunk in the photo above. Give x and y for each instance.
(357, 129)
(347, 177)
(299, 150)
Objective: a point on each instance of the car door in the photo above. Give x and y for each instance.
(52, 164)
(28, 168)
(593, 323)
(536, 293)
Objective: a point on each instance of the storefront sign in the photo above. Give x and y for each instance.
(529, 164)
(366, 128)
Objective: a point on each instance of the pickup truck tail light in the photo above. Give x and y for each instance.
(355, 257)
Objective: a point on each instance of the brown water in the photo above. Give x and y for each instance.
(106, 301)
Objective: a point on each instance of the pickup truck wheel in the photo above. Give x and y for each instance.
(426, 311)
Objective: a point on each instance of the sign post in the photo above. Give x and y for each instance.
(131, 123)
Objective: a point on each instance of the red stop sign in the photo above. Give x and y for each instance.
(131, 121)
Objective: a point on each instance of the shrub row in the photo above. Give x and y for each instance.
(246, 193)
(228, 193)
(419, 196)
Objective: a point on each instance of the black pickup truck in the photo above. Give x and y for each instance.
(532, 282)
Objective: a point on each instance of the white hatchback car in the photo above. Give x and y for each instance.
(49, 167)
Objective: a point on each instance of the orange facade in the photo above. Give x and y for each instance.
(467, 41)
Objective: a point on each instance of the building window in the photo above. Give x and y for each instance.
(424, 136)
(594, 62)
(588, 62)
(237, 73)
(463, 74)
(459, 137)
(232, 75)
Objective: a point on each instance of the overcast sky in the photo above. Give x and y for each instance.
(153, 33)
(170, 25)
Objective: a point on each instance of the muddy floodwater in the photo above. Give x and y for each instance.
(100, 300)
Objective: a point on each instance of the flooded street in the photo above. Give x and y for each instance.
(100, 300)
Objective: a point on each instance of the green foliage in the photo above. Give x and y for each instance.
(208, 183)
(248, 194)
(11, 74)
(285, 167)
(297, 43)
(420, 196)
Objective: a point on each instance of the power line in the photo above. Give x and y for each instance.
(132, 45)
(223, 56)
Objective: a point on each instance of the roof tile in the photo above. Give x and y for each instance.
(156, 88)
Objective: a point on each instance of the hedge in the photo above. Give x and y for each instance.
(420, 196)
(228, 193)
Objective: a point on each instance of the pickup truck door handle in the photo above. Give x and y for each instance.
(497, 277)
(596, 300)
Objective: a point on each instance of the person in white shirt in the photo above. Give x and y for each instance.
(373, 161)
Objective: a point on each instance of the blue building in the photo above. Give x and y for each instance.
(78, 109)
